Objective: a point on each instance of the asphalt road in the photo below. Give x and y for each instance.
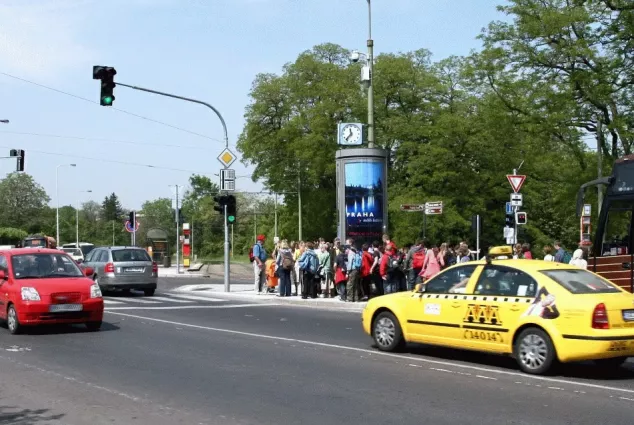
(231, 362)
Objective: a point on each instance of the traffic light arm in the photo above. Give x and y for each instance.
(200, 102)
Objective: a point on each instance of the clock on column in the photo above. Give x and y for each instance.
(350, 134)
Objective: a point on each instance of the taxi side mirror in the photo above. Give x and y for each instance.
(419, 288)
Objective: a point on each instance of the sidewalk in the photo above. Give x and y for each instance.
(246, 292)
(237, 271)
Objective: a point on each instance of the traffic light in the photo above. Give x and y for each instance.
(510, 220)
(231, 209)
(19, 155)
(106, 75)
(520, 217)
(132, 219)
(221, 200)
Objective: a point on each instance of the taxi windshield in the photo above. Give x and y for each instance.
(43, 266)
(581, 281)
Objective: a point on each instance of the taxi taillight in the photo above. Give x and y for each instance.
(108, 268)
(600, 317)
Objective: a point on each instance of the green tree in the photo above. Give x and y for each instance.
(157, 214)
(11, 236)
(111, 208)
(23, 202)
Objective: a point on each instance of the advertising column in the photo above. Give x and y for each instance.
(186, 244)
(362, 194)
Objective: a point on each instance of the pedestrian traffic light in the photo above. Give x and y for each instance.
(520, 217)
(19, 155)
(231, 209)
(510, 220)
(132, 219)
(221, 200)
(106, 75)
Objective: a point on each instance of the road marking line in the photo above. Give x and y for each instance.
(379, 353)
(108, 301)
(138, 300)
(189, 307)
(486, 377)
(197, 298)
(171, 300)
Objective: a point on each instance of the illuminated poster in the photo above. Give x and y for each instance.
(364, 194)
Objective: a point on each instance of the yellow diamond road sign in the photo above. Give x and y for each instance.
(226, 158)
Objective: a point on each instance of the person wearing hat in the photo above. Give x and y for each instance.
(259, 258)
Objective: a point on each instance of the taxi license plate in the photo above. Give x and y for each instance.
(58, 308)
(134, 269)
(628, 315)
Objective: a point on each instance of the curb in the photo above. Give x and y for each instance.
(319, 303)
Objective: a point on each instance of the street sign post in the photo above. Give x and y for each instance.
(516, 181)
(226, 158)
(433, 208)
(128, 226)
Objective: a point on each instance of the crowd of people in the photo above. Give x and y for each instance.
(350, 273)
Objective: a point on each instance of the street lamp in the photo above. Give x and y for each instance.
(77, 218)
(367, 76)
(4, 121)
(57, 197)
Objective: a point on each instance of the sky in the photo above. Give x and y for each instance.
(205, 49)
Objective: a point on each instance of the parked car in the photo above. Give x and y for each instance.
(45, 286)
(123, 268)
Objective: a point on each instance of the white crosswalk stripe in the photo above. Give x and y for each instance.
(108, 301)
(164, 299)
(171, 300)
(196, 298)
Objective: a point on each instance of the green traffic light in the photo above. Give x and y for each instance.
(231, 218)
(107, 100)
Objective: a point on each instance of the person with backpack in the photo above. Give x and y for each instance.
(390, 270)
(259, 256)
(354, 272)
(309, 267)
(325, 268)
(431, 267)
(366, 277)
(561, 255)
(285, 265)
(414, 262)
(375, 269)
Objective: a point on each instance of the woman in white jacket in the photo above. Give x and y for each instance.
(577, 259)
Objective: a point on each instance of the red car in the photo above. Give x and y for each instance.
(41, 286)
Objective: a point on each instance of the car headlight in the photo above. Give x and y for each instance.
(30, 294)
(95, 292)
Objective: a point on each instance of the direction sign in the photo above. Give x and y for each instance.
(509, 208)
(433, 211)
(226, 158)
(436, 204)
(413, 207)
(516, 199)
(227, 179)
(128, 226)
(516, 181)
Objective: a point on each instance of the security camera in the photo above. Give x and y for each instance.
(355, 56)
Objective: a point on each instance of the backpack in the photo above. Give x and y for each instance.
(418, 259)
(287, 261)
(313, 263)
(394, 264)
(251, 256)
(567, 257)
(356, 261)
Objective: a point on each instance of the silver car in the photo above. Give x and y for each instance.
(123, 268)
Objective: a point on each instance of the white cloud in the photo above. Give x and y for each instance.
(42, 38)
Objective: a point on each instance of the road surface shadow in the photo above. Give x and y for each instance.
(65, 329)
(582, 370)
(17, 416)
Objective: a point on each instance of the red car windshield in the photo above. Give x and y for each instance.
(42, 266)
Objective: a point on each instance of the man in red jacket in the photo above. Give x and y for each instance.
(390, 270)
(366, 277)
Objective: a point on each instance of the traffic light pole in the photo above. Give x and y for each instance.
(227, 267)
(200, 102)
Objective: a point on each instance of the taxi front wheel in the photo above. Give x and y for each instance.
(534, 351)
(387, 332)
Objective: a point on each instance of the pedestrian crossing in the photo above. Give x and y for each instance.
(163, 299)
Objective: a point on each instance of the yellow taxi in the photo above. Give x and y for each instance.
(539, 312)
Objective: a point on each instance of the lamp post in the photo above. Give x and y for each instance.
(371, 86)
(77, 218)
(57, 198)
(4, 121)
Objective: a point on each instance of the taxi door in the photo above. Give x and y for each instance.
(496, 302)
(435, 316)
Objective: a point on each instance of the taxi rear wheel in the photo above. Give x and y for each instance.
(387, 333)
(534, 351)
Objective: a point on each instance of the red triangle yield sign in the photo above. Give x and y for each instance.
(516, 181)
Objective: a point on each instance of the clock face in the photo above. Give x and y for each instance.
(350, 134)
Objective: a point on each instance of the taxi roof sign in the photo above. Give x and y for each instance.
(501, 251)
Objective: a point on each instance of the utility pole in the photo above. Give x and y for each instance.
(177, 215)
(232, 245)
(276, 215)
(299, 202)
(227, 281)
(371, 86)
